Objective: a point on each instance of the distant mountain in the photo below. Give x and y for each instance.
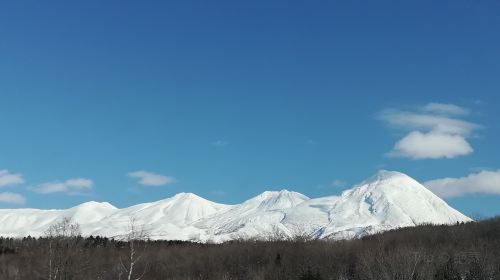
(385, 201)
(258, 217)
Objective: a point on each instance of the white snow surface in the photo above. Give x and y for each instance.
(388, 200)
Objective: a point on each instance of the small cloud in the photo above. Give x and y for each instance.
(484, 182)
(427, 122)
(9, 179)
(432, 145)
(151, 179)
(310, 142)
(71, 186)
(434, 131)
(445, 109)
(220, 143)
(338, 183)
(12, 198)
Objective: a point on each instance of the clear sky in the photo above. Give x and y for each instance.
(134, 101)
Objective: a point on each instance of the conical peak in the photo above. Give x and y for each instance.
(267, 194)
(382, 175)
(388, 183)
(188, 198)
(284, 193)
(94, 204)
(274, 200)
(385, 176)
(186, 195)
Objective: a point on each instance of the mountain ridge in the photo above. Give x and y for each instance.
(386, 200)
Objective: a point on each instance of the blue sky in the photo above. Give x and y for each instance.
(227, 99)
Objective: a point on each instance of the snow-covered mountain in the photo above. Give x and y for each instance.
(171, 218)
(34, 222)
(260, 216)
(385, 201)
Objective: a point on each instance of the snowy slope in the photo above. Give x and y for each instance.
(309, 218)
(385, 201)
(34, 222)
(164, 219)
(258, 217)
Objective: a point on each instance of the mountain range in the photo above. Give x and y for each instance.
(387, 200)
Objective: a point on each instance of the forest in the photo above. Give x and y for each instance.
(462, 251)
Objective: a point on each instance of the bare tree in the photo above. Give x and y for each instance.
(63, 229)
(298, 233)
(136, 239)
(63, 238)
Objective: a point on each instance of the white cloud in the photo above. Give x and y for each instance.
(484, 182)
(432, 145)
(427, 122)
(445, 109)
(220, 143)
(71, 186)
(13, 198)
(151, 179)
(9, 179)
(433, 132)
(338, 183)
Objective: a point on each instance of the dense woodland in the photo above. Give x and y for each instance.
(462, 251)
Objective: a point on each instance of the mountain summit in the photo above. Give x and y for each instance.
(385, 201)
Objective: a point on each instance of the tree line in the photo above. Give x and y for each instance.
(465, 251)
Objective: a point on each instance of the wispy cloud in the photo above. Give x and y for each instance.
(445, 109)
(484, 182)
(434, 131)
(9, 179)
(218, 192)
(337, 183)
(71, 186)
(151, 179)
(310, 142)
(12, 198)
(426, 121)
(220, 143)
